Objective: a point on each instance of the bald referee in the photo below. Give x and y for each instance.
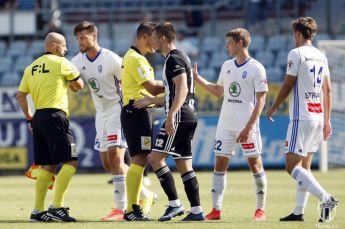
(46, 80)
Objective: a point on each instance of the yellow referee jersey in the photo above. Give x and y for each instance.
(46, 80)
(136, 70)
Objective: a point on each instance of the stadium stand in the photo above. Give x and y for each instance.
(117, 21)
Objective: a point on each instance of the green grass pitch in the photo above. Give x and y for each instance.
(90, 197)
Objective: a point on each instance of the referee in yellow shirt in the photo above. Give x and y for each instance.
(137, 79)
(46, 79)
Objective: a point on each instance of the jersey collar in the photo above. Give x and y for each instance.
(92, 60)
(171, 51)
(240, 65)
(135, 49)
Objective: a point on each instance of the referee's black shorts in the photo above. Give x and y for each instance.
(53, 140)
(137, 128)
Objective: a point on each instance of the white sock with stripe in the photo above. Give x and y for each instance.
(307, 181)
(218, 189)
(260, 181)
(301, 200)
(120, 192)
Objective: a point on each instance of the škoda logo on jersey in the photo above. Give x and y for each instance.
(94, 84)
(234, 89)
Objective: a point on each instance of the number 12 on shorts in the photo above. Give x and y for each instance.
(218, 145)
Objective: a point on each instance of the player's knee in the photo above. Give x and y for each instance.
(73, 163)
(156, 161)
(152, 161)
(221, 163)
(117, 161)
(139, 159)
(106, 166)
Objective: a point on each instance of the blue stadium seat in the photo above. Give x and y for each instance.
(10, 79)
(21, 63)
(17, 48)
(266, 58)
(121, 46)
(290, 43)
(36, 48)
(6, 64)
(202, 61)
(218, 59)
(211, 44)
(3, 48)
(257, 43)
(281, 59)
(274, 75)
(106, 43)
(322, 36)
(208, 73)
(103, 31)
(276, 43)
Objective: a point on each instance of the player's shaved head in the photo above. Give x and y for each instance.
(52, 38)
(52, 41)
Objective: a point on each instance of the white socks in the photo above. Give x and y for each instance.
(218, 189)
(120, 192)
(260, 181)
(301, 200)
(144, 192)
(196, 210)
(307, 181)
(175, 203)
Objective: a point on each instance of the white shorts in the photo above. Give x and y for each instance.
(225, 143)
(109, 131)
(303, 137)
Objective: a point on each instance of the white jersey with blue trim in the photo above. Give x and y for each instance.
(103, 75)
(310, 67)
(241, 82)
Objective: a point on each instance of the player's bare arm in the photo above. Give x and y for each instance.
(215, 89)
(149, 100)
(327, 106)
(180, 96)
(155, 87)
(76, 85)
(259, 106)
(283, 93)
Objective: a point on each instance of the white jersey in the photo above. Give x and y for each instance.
(103, 75)
(310, 67)
(240, 83)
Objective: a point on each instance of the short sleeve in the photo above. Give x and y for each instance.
(293, 63)
(221, 75)
(24, 87)
(260, 80)
(141, 71)
(117, 63)
(327, 74)
(68, 70)
(175, 66)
